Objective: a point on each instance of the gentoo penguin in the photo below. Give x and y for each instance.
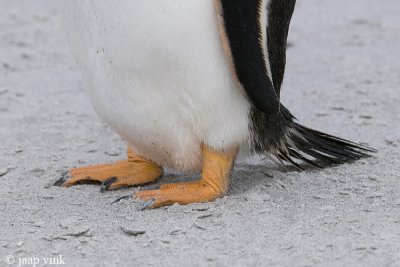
(187, 83)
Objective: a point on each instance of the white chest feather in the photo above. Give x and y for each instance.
(155, 70)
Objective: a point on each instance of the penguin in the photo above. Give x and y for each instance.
(187, 84)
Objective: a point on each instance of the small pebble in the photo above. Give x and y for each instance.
(130, 232)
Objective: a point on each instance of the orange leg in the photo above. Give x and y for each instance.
(213, 183)
(133, 171)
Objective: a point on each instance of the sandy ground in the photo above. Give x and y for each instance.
(342, 77)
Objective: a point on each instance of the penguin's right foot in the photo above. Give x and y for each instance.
(131, 172)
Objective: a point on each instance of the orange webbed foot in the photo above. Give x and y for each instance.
(131, 172)
(213, 183)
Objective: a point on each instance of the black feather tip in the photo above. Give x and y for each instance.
(295, 144)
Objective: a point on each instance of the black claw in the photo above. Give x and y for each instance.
(59, 182)
(62, 180)
(121, 198)
(146, 204)
(107, 183)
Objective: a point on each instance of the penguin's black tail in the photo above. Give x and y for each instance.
(293, 143)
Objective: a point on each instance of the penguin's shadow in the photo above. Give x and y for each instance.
(261, 176)
(246, 177)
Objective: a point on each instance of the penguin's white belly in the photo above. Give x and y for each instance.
(155, 70)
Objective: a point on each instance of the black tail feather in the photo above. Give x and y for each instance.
(326, 148)
(293, 143)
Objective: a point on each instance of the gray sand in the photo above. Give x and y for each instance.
(343, 77)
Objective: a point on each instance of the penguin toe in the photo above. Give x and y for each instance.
(181, 193)
(70, 178)
(112, 176)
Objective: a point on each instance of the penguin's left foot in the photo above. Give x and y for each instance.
(213, 183)
(133, 171)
